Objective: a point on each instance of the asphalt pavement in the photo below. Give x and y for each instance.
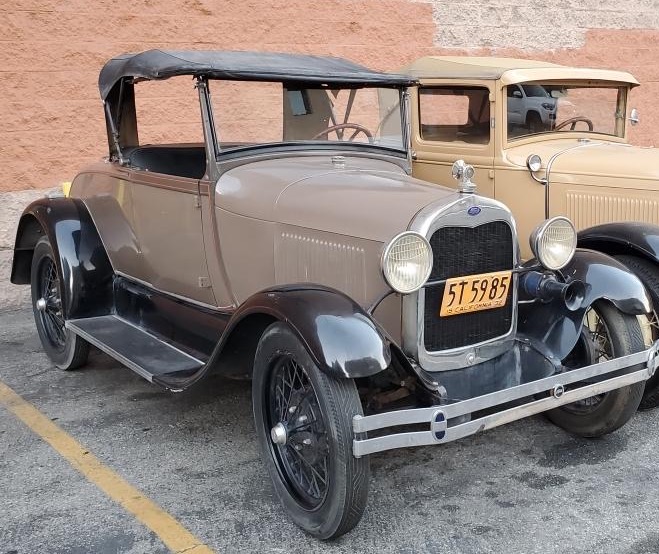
(527, 487)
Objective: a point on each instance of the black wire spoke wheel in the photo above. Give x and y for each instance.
(303, 420)
(49, 304)
(607, 333)
(299, 438)
(64, 348)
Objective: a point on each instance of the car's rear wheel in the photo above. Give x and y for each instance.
(64, 348)
(648, 273)
(607, 333)
(304, 425)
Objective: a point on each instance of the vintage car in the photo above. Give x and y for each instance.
(546, 140)
(372, 310)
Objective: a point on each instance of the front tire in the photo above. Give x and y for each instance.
(304, 424)
(648, 273)
(64, 348)
(608, 333)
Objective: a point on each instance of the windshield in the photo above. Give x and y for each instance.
(250, 114)
(540, 108)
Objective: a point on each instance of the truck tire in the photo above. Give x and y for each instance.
(648, 273)
(613, 334)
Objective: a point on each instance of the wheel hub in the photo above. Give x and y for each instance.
(278, 433)
(41, 304)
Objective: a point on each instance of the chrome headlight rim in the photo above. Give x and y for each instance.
(386, 252)
(539, 233)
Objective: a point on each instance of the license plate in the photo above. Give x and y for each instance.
(475, 292)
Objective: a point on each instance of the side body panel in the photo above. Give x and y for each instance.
(132, 210)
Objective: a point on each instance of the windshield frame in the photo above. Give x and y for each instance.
(214, 133)
(620, 131)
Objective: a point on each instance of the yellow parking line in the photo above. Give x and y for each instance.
(176, 537)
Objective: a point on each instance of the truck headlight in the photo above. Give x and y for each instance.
(554, 242)
(407, 262)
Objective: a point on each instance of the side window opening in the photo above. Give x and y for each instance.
(455, 114)
(170, 129)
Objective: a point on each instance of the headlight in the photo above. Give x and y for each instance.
(554, 242)
(407, 262)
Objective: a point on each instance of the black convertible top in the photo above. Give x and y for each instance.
(242, 66)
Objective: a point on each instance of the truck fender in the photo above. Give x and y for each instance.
(82, 262)
(557, 327)
(622, 238)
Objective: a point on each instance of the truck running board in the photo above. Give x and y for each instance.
(142, 352)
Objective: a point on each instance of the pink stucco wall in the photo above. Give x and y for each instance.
(51, 51)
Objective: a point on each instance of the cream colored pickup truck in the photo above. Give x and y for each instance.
(546, 140)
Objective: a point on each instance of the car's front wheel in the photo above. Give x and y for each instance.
(607, 333)
(304, 424)
(64, 348)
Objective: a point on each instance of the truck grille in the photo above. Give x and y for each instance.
(467, 251)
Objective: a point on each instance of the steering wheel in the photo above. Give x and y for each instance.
(574, 121)
(335, 128)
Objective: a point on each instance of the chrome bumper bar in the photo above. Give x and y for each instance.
(437, 416)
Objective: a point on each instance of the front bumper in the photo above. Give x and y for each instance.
(639, 367)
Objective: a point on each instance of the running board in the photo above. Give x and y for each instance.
(145, 354)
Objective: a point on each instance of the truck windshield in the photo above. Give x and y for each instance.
(251, 114)
(538, 108)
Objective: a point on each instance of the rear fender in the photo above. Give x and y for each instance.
(82, 262)
(556, 327)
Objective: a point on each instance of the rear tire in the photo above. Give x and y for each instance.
(648, 273)
(613, 334)
(64, 348)
(304, 424)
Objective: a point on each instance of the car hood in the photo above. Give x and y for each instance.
(594, 162)
(367, 198)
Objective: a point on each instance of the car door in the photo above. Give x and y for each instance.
(167, 222)
(453, 121)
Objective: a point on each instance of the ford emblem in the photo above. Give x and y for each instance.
(474, 210)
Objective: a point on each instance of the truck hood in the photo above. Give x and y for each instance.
(594, 162)
(367, 198)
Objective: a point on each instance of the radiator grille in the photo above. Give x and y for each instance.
(467, 251)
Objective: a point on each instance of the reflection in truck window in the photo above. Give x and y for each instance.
(455, 114)
(534, 108)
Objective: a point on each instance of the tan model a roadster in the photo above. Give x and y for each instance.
(372, 310)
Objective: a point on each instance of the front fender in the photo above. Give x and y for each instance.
(339, 335)
(622, 238)
(556, 328)
(83, 265)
